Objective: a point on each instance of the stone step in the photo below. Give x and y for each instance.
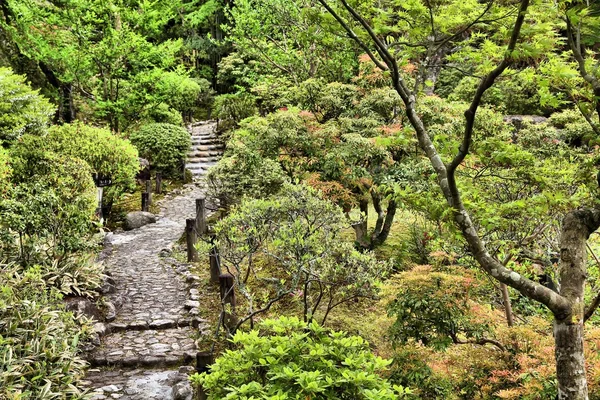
(146, 348)
(203, 135)
(142, 325)
(199, 168)
(201, 158)
(207, 147)
(207, 142)
(139, 384)
(205, 153)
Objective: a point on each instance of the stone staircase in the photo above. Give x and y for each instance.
(206, 150)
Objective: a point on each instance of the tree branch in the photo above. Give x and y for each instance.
(353, 36)
(484, 85)
(556, 303)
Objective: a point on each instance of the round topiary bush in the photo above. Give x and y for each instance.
(105, 152)
(164, 145)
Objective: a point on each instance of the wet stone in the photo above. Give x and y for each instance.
(155, 302)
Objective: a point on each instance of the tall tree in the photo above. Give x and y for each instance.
(568, 305)
(108, 52)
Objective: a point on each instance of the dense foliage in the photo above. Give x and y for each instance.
(295, 233)
(459, 134)
(290, 359)
(22, 110)
(106, 153)
(38, 339)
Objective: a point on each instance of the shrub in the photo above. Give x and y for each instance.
(164, 145)
(515, 95)
(573, 127)
(165, 115)
(22, 110)
(445, 299)
(244, 172)
(233, 108)
(327, 101)
(38, 340)
(5, 171)
(289, 359)
(105, 152)
(384, 104)
(48, 210)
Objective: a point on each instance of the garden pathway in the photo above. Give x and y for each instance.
(146, 352)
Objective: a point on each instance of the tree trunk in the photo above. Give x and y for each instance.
(568, 329)
(507, 304)
(379, 237)
(361, 228)
(570, 360)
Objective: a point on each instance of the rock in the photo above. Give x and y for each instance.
(164, 253)
(108, 285)
(186, 369)
(118, 300)
(192, 304)
(519, 120)
(182, 391)
(100, 328)
(110, 311)
(110, 388)
(137, 219)
(82, 306)
(162, 324)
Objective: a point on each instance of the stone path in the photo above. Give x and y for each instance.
(148, 348)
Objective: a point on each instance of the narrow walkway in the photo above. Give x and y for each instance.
(157, 305)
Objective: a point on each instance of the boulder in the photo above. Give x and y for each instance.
(110, 311)
(182, 391)
(519, 120)
(137, 219)
(82, 306)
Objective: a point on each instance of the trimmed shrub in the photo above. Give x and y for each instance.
(164, 145)
(105, 152)
(5, 171)
(22, 110)
(244, 172)
(165, 115)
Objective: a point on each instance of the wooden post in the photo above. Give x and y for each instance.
(226, 289)
(158, 189)
(204, 360)
(145, 201)
(200, 216)
(149, 191)
(215, 261)
(190, 237)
